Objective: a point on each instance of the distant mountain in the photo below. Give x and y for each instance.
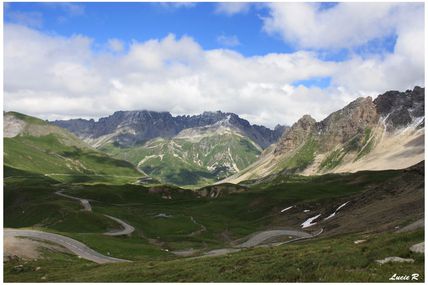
(182, 150)
(130, 128)
(195, 156)
(35, 146)
(385, 133)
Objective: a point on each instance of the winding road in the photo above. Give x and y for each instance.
(85, 252)
(127, 228)
(263, 236)
(74, 246)
(255, 240)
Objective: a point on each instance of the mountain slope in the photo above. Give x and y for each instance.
(196, 156)
(33, 145)
(385, 133)
(129, 128)
(182, 150)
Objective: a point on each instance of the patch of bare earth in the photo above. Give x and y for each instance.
(23, 248)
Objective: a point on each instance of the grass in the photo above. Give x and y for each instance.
(47, 155)
(333, 159)
(234, 215)
(29, 201)
(335, 259)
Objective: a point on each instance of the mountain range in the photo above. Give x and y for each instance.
(213, 147)
(182, 150)
(384, 133)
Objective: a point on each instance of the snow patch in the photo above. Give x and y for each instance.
(334, 214)
(308, 222)
(286, 209)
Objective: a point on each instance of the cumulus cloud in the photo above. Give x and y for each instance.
(63, 77)
(344, 25)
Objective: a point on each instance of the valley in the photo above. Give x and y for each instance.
(145, 196)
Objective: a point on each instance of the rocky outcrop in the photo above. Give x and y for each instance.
(397, 109)
(343, 125)
(401, 108)
(129, 128)
(296, 135)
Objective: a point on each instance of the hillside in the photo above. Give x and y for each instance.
(385, 133)
(183, 150)
(35, 146)
(366, 206)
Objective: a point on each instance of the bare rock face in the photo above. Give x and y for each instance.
(12, 126)
(136, 127)
(401, 108)
(343, 125)
(296, 135)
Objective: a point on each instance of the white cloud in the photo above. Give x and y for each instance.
(344, 25)
(232, 8)
(62, 77)
(115, 45)
(228, 41)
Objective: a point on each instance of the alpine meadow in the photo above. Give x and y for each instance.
(213, 142)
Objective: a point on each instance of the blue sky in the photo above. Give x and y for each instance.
(144, 21)
(319, 54)
(201, 21)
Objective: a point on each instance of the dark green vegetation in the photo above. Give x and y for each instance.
(335, 259)
(170, 218)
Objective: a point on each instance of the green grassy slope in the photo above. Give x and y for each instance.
(324, 260)
(203, 223)
(46, 149)
(226, 218)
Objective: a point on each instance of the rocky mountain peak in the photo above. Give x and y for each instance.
(401, 108)
(129, 128)
(344, 124)
(296, 135)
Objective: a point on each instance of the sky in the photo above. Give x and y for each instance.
(270, 63)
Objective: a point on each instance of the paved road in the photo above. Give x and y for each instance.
(254, 241)
(74, 246)
(85, 203)
(263, 236)
(127, 228)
